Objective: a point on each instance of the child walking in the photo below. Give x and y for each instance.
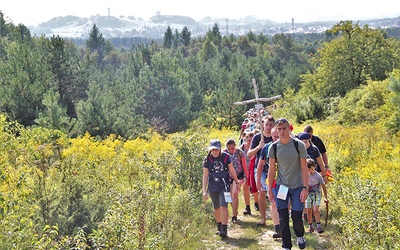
(315, 183)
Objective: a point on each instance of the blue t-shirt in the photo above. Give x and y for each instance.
(255, 142)
(314, 153)
(264, 155)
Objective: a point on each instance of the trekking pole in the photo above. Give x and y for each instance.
(327, 214)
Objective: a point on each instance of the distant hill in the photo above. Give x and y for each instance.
(155, 27)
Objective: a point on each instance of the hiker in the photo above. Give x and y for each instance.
(246, 185)
(314, 153)
(217, 166)
(255, 150)
(315, 183)
(262, 171)
(319, 143)
(288, 156)
(238, 160)
(252, 180)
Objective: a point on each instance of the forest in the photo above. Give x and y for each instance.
(102, 146)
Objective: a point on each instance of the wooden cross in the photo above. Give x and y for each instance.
(258, 106)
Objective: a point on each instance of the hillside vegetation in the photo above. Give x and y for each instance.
(102, 148)
(58, 192)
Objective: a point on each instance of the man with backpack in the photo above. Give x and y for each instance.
(258, 142)
(288, 156)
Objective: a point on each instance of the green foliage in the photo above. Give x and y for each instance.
(348, 61)
(168, 38)
(364, 196)
(59, 193)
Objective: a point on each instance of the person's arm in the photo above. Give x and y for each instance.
(304, 173)
(254, 147)
(246, 171)
(234, 176)
(325, 158)
(322, 167)
(205, 183)
(260, 168)
(271, 176)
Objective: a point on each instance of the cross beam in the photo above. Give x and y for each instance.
(258, 102)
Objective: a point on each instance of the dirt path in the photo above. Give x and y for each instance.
(247, 235)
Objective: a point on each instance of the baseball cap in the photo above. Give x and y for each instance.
(215, 144)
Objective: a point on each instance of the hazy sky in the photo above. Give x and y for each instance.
(33, 12)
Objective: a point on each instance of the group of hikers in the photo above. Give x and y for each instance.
(269, 162)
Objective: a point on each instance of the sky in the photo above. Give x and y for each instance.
(34, 12)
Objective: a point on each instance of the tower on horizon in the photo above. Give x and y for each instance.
(109, 14)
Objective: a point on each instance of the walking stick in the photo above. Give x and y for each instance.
(327, 213)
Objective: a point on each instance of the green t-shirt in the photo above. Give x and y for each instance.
(289, 167)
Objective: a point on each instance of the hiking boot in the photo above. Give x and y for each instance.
(311, 229)
(256, 206)
(247, 211)
(277, 233)
(320, 230)
(218, 228)
(234, 219)
(301, 242)
(224, 231)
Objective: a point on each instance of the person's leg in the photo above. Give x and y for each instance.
(284, 227)
(309, 220)
(262, 202)
(317, 214)
(214, 196)
(254, 190)
(224, 213)
(246, 197)
(308, 208)
(224, 225)
(282, 207)
(297, 211)
(275, 219)
(255, 197)
(235, 202)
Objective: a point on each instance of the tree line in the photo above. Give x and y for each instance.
(185, 81)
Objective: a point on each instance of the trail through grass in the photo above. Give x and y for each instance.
(247, 235)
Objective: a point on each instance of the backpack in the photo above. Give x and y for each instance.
(218, 178)
(212, 169)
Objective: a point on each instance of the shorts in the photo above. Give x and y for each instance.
(263, 180)
(313, 199)
(218, 199)
(293, 196)
(240, 176)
